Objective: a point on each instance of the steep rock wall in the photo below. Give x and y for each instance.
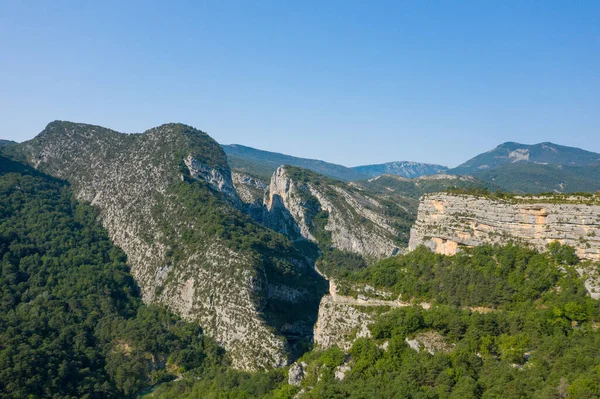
(355, 221)
(339, 324)
(447, 222)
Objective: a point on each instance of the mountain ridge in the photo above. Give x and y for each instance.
(166, 198)
(409, 169)
(243, 158)
(541, 153)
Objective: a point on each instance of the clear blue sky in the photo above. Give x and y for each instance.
(351, 82)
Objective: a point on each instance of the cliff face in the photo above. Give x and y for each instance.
(340, 324)
(166, 198)
(302, 205)
(446, 222)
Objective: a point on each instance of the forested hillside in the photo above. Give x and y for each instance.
(72, 324)
(535, 178)
(500, 322)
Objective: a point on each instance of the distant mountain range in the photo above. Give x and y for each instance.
(544, 167)
(402, 168)
(537, 178)
(514, 167)
(543, 153)
(263, 163)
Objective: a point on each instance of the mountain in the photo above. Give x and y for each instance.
(543, 153)
(166, 198)
(402, 168)
(72, 322)
(264, 163)
(368, 218)
(537, 178)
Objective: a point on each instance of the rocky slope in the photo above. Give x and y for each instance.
(447, 222)
(167, 198)
(251, 191)
(304, 205)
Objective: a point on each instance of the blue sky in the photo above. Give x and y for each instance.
(351, 82)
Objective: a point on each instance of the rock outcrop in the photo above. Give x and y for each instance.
(304, 205)
(251, 190)
(342, 319)
(296, 373)
(167, 199)
(339, 324)
(447, 222)
(430, 341)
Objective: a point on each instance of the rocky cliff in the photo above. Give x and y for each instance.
(304, 205)
(447, 222)
(166, 197)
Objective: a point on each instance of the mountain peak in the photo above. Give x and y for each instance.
(545, 153)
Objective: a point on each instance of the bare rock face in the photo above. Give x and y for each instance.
(250, 189)
(296, 373)
(146, 188)
(221, 180)
(430, 341)
(447, 222)
(341, 371)
(340, 324)
(352, 220)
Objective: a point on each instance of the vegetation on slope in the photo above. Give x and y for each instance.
(394, 187)
(586, 198)
(534, 178)
(143, 184)
(516, 153)
(205, 214)
(539, 340)
(72, 324)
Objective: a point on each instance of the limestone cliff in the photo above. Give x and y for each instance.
(166, 197)
(251, 191)
(447, 222)
(339, 324)
(343, 318)
(304, 205)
